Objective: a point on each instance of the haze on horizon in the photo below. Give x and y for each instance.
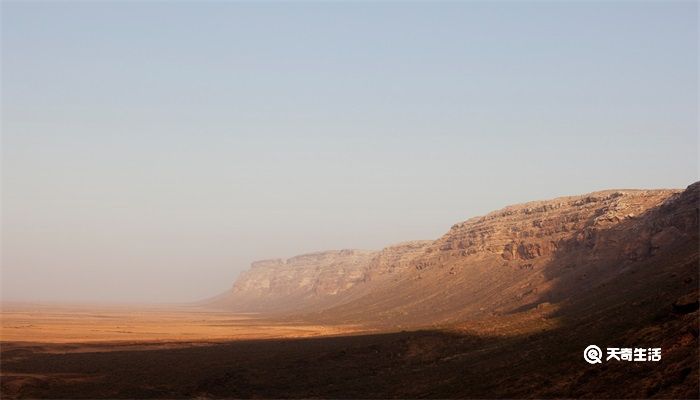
(152, 150)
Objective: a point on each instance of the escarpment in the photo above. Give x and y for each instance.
(542, 255)
(298, 282)
(528, 235)
(395, 259)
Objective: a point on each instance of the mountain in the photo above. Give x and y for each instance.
(541, 255)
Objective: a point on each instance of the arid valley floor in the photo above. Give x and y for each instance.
(32, 332)
(115, 352)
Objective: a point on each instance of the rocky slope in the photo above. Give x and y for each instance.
(538, 256)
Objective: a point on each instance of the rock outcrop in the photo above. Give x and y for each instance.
(395, 259)
(298, 282)
(535, 256)
(541, 253)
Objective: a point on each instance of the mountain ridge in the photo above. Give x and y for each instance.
(521, 256)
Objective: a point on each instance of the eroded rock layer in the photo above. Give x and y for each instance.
(540, 256)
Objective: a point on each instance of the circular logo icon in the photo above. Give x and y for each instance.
(593, 354)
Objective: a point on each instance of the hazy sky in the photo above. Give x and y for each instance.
(151, 151)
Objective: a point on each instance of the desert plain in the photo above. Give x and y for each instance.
(123, 324)
(29, 333)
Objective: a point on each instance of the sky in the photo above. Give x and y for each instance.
(152, 150)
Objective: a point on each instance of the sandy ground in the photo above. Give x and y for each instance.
(83, 324)
(140, 352)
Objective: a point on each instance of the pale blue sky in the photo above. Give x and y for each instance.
(151, 150)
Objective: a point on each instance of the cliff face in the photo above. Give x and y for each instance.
(395, 259)
(298, 282)
(526, 236)
(546, 255)
(322, 273)
(540, 255)
(316, 280)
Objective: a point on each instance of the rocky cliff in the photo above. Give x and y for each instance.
(315, 280)
(298, 282)
(545, 255)
(540, 255)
